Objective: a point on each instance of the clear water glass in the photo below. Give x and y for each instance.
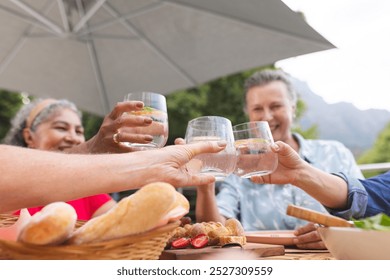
(253, 142)
(155, 107)
(214, 128)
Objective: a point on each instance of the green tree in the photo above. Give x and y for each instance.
(10, 102)
(380, 151)
(91, 123)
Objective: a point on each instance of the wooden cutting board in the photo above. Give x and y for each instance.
(260, 250)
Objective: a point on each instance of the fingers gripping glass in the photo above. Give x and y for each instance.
(155, 107)
(253, 142)
(213, 128)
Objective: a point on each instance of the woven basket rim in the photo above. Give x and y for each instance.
(149, 241)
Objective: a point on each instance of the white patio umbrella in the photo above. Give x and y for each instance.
(94, 52)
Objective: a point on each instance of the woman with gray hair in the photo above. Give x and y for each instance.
(117, 127)
(31, 115)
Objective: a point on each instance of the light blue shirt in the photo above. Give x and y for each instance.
(263, 206)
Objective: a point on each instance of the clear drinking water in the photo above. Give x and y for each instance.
(220, 164)
(214, 128)
(254, 158)
(253, 142)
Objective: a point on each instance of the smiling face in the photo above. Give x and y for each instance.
(61, 130)
(271, 103)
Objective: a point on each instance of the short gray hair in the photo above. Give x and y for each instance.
(264, 77)
(19, 122)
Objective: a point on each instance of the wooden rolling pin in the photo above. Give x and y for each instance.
(317, 217)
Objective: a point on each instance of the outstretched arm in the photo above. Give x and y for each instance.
(34, 177)
(328, 189)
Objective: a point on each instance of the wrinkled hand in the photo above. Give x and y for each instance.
(289, 164)
(171, 162)
(194, 165)
(127, 127)
(308, 237)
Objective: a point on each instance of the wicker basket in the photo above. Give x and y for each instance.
(145, 246)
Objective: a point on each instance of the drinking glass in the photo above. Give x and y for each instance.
(155, 107)
(214, 128)
(253, 142)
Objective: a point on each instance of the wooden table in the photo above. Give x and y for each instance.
(258, 251)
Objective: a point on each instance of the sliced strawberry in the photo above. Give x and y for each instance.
(200, 241)
(181, 243)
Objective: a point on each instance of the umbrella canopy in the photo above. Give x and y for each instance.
(94, 52)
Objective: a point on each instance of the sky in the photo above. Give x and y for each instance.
(358, 71)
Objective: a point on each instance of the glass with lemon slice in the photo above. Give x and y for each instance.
(155, 107)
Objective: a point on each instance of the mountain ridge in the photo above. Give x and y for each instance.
(357, 129)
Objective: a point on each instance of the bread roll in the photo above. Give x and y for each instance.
(146, 209)
(235, 227)
(179, 232)
(197, 229)
(209, 226)
(50, 226)
(218, 232)
(223, 240)
(215, 234)
(11, 232)
(204, 228)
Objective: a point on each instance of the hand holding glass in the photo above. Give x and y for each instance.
(253, 142)
(155, 107)
(213, 128)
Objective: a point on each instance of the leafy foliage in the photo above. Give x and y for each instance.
(380, 151)
(91, 124)
(10, 102)
(378, 222)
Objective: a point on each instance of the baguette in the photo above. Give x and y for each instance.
(153, 205)
(50, 226)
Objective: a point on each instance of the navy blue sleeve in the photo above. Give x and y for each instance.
(378, 190)
(357, 199)
(366, 197)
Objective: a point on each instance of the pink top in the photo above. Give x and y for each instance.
(85, 207)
